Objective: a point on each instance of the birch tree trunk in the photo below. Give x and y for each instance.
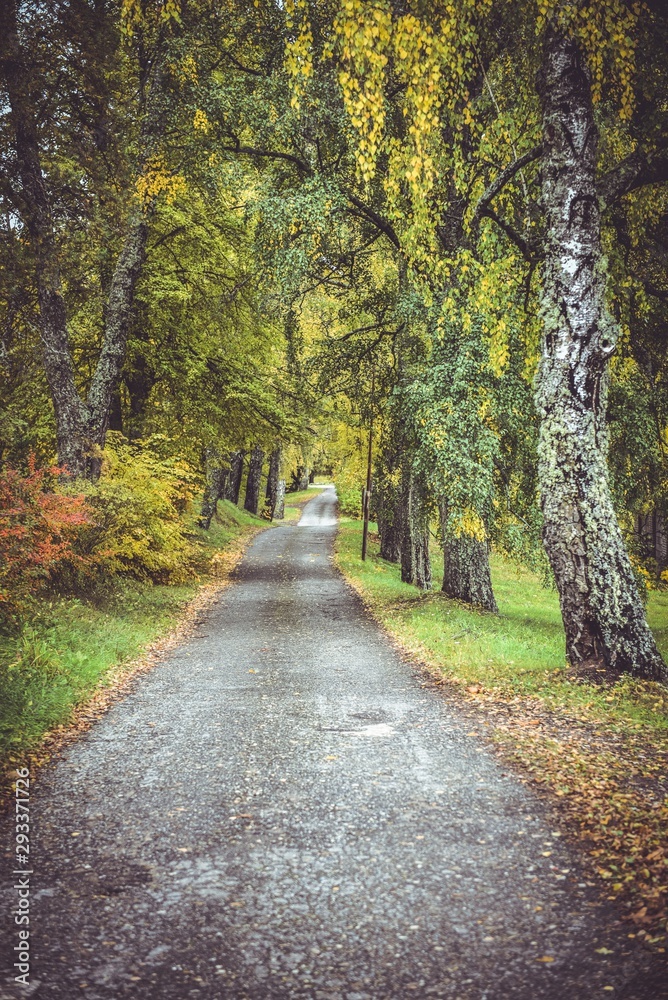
(233, 485)
(216, 476)
(252, 501)
(388, 513)
(271, 497)
(279, 510)
(415, 562)
(604, 619)
(466, 572)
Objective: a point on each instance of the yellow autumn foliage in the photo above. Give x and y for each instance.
(141, 503)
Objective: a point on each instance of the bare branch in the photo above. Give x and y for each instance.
(636, 170)
(500, 182)
(377, 220)
(271, 154)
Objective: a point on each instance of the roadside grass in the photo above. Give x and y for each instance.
(600, 751)
(520, 651)
(74, 645)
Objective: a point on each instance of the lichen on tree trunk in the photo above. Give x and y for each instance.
(466, 572)
(279, 509)
(387, 502)
(604, 618)
(216, 475)
(271, 497)
(414, 520)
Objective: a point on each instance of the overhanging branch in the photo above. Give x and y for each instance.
(500, 182)
(635, 171)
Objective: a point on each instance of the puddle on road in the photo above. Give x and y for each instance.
(380, 729)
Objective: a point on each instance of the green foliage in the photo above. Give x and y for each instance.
(349, 493)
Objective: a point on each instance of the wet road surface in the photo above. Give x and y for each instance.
(281, 810)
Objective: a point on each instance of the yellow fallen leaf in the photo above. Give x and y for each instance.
(545, 958)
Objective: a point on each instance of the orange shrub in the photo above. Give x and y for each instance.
(37, 529)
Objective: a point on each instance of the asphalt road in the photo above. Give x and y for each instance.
(282, 809)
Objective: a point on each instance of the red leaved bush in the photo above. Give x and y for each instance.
(38, 526)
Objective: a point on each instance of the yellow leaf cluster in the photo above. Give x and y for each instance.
(363, 31)
(157, 179)
(298, 59)
(136, 14)
(470, 524)
(201, 122)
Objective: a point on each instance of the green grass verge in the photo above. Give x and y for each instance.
(519, 652)
(72, 644)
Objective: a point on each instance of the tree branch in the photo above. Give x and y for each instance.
(512, 235)
(500, 182)
(377, 220)
(636, 170)
(270, 154)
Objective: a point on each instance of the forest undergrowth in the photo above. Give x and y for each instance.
(600, 753)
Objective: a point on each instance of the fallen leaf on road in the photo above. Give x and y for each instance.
(545, 958)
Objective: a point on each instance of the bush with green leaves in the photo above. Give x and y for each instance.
(143, 514)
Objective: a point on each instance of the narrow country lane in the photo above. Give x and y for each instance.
(280, 809)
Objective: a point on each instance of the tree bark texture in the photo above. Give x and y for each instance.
(233, 485)
(604, 619)
(271, 497)
(414, 520)
(387, 502)
(279, 510)
(80, 425)
(216, 476)
(252, 501)
(466, 572)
